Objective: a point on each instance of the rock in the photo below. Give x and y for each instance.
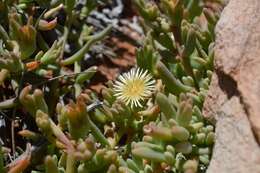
(235, 150)
(233, 102)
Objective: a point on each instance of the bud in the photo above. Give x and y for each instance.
(173, 100)
(210, 128)
(170, 158)
(78, 120)
(171, 149)
(210, 139)
(187, 80)
(44, 25)
(204, 83)
(24, 35)
(43, 122)
(165, 106)
(39, 100)
(50, 165)
(148, 154)
(52, 12)
(27, 100)
(180, 133)
(22, 162)
(184, 114)
(190, 166)
(165, 40)
(110, 156)
(180, 159)
(146, 58)
(86, 75)
(195, 127)
(150, 112)
(204, 159)
(189, 43)
(3, 75)
(174, 10)
(44, 73)
(132, 165)
(125, 170)
(52, 54)
(184, 30)
(11, 62)
(112, 169)
(148, 169)
(196, 111)
(198, 62)
(81, 168)
(199, 138)
(152, 146)
(30, 66)
(162, 133)
(184, 147)
(148, 11)
(108, 95)
(202, 151)
(209, 74)
(211, 17)
(28, 134)
(165, 25)
(147, 138)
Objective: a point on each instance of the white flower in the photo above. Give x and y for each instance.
(134, 86)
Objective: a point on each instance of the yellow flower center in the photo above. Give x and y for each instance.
(134, 88)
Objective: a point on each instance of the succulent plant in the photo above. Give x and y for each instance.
(150, 118)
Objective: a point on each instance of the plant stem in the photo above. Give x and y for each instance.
(97, 133)
(10, 103)
(77, 69)
(70, 163)
(79, 55)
